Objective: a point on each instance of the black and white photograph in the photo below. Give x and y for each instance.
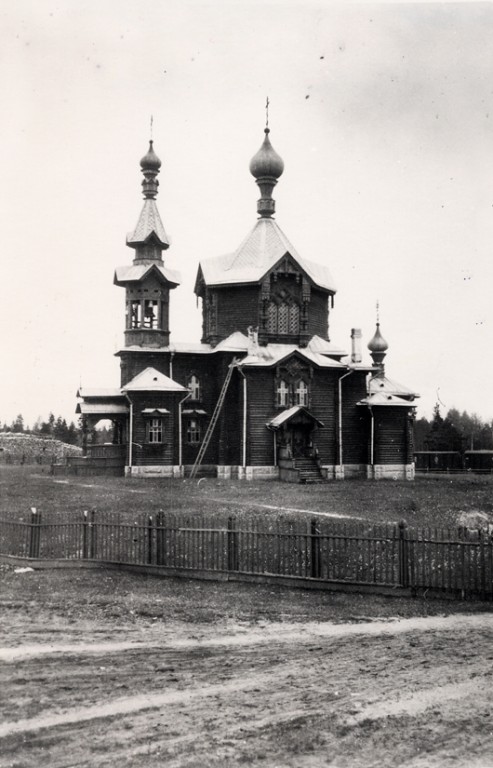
(246, 427)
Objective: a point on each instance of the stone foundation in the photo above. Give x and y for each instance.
(256, 473)
(343, 472)
(390, 472)
(160, 470)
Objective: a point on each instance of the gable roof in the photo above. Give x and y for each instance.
(261, 250)
(150, 380)
(273, 354)
(285, 416)
(384, 385)
(148, 225)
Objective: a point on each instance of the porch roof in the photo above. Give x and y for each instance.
(101, 409)
(285, 416)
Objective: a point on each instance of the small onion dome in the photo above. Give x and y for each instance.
(150, 161)
(378, 343)
(266, 162)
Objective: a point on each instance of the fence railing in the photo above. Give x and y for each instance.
(456, 561)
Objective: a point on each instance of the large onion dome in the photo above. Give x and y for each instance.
(266, 166)
(266, 162)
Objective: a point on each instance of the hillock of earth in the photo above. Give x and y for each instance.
(24, 448)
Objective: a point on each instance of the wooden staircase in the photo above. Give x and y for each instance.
(309, 471)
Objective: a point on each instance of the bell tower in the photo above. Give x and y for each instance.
(147, 281)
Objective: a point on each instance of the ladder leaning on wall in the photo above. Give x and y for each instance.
(213, 421)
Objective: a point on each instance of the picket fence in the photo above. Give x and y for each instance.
(323, 552)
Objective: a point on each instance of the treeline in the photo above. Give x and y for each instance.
(453, 432)
(55, 427)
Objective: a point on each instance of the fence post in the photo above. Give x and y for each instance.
(149, 540)
(403, 555)
(85, 525)
(232, 545)
(91, 551)
(160, 550)
(316, 565)
(34, 533)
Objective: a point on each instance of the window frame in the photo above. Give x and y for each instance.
(301, 393)
(282, 395)
(195, 431)
(155, 431)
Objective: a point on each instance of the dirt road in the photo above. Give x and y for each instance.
(410, 692)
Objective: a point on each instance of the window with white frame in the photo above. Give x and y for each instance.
(301, 393)
(194, 432)
(194, 387)
(282, 394)
(155, 431)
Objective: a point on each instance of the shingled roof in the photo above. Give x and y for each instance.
(151, 380)
(148, 225)
(134, 273)
(261, 250)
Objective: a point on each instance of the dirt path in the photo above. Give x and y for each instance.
(279, 632)
(296, 695)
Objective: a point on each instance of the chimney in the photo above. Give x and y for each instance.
(356, 345)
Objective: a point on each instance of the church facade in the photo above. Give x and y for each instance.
(264, 393)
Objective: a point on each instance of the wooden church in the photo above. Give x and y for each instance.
(264, 393)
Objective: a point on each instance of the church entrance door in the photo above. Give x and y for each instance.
(301, 440)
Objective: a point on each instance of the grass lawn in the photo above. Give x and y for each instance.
(428, 501)
(101, 668)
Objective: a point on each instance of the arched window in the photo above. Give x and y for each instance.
(301, 393)
(282, 394)
(194, 387)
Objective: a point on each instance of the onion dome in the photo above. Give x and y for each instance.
(150, 161)
(266, 166)
(266, 162)
(378, 347)
(378, 343)
(150, 165)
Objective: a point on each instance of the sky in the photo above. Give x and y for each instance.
(382, 113)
